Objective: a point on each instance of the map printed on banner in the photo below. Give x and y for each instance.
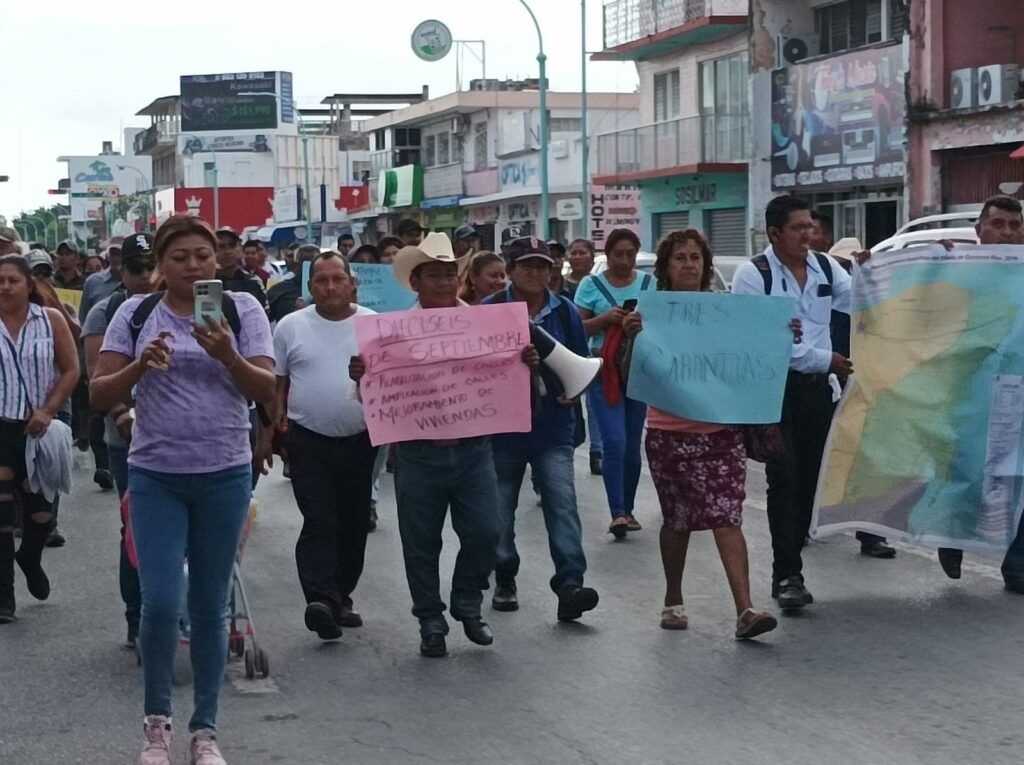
(713, 357)
(926, 445)
(445, 373)
(379, 289)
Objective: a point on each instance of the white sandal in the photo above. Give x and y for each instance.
(673, 618)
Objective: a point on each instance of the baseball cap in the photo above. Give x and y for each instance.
(69, 245)
(8, 234)
(39, 258)
(465, 231)
(555, 245)
(526, 247)
(407, 226)
(138, 245)
(228, 231)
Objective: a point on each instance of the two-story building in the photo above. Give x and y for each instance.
(828, 102)
(966, 109)
(689, 156)
(474, 156)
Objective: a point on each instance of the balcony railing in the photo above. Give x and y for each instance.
(156, 134)
(629, 20)
(718, 138)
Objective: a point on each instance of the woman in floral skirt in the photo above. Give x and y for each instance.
(699, 468)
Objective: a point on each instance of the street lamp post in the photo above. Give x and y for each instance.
(584, 137)
(545, 213)
(305, 162)
(216, 186)
(150, 192)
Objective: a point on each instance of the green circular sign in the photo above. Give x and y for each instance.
(431, 40)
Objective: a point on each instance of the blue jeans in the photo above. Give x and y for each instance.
(622, 431)
(593, 429)
(429, 479)
(553, 472)
(203, 514)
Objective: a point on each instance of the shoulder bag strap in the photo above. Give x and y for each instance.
(599, 283)
(765, 269)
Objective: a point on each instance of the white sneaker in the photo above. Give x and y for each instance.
(203, 750)
(158, 741)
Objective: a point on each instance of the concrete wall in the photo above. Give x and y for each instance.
(688, 63)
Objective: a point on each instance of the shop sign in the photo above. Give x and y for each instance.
(519, 173)
(481, 216)
(610, 209)
(696, 194)
(840, 121)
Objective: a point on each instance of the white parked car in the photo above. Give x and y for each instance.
(954, 227)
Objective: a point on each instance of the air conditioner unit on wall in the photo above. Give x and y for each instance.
(963, 88)
(793, 50)
(998, 83)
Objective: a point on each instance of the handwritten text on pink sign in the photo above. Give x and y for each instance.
(445, 372)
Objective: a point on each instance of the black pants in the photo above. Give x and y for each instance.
(12, 493)
(793, 478)
(332, 479)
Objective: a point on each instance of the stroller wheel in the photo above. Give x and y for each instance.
(250, 665)
(262, 663)
(237, 645)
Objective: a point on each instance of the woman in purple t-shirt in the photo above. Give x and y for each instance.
(190, 467)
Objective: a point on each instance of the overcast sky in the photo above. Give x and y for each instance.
(74, 73)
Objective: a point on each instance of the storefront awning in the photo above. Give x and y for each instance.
(502, 196)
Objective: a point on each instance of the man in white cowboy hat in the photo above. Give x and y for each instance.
(435, 475)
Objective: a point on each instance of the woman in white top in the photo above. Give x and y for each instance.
(38, 371)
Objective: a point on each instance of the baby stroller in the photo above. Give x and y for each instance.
(241, 630)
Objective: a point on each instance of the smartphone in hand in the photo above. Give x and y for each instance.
(629, 305)
(208, 295)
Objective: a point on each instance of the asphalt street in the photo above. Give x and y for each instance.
(894, 663)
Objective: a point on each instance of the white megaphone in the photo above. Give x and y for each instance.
(575, 372)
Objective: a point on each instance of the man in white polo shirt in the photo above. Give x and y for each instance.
(329, 450)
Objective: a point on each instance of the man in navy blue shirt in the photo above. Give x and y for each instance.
(548, 448)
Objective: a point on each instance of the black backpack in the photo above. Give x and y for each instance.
(227, 306)
(761, 261)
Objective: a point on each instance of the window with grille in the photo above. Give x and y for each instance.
(429, 151)
(565, 124)
(480, 154)
(853, 24)
(666, 96)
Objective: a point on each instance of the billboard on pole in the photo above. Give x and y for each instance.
(213, 101)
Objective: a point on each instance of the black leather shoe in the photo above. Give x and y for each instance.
(595, 464)
(505, 597)
(349, 619)
(320, 619)
(951, 559)
(877, 549)
(433, 646)
(478, 631)
(7, 615)
(35, 578)
(55, 538)
(104, 479)
(1015, 585)
(793, 595)
(372, 525)
(574, 601)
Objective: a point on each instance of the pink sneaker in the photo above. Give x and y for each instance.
(158, 741)
(203, 750)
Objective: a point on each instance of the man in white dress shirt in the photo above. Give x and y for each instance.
(817, 284)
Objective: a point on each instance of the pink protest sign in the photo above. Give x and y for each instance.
(445, 372)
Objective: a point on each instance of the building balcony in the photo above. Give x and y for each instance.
(707, 144)
(158, 134)
(641, 29)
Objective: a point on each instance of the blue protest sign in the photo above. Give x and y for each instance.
(379, 290)
(713, 357)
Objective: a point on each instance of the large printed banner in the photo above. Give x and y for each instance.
(926, 446)
(379, 289)
(445, 373)
(713, 357)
